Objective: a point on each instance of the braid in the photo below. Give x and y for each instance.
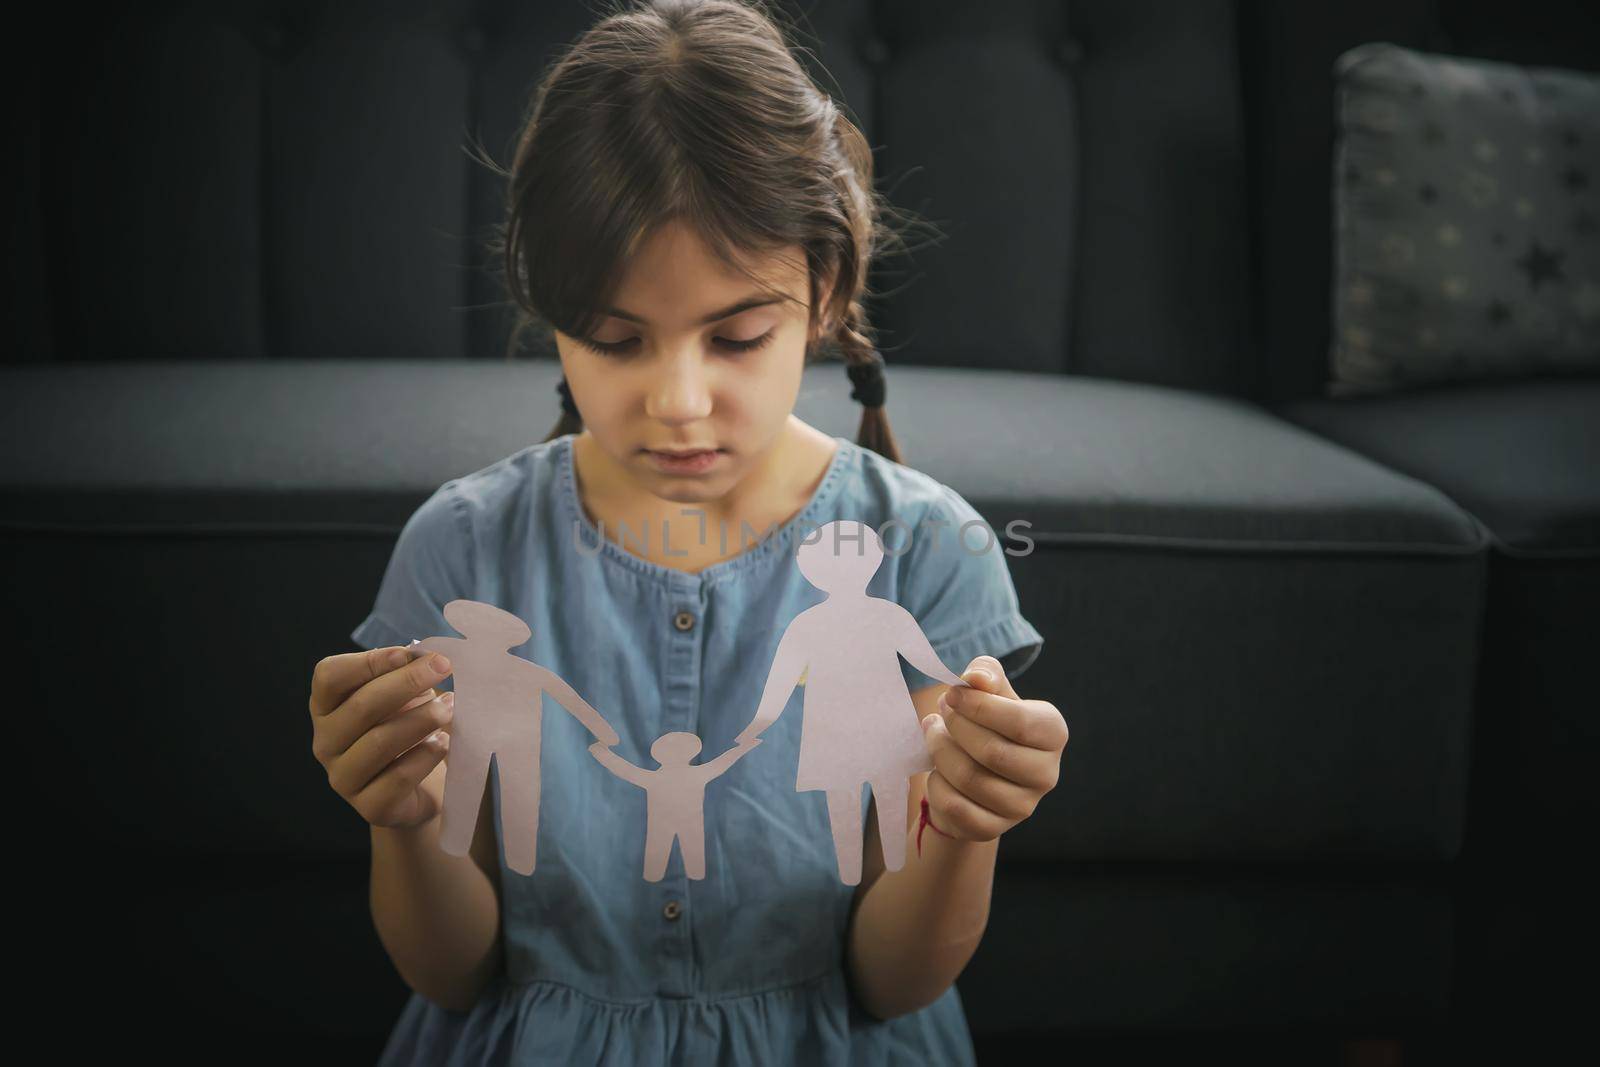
(565, 425)
(864, 364)
(571, 420)
(527, 326)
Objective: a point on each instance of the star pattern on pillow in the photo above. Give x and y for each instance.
(1466, 219)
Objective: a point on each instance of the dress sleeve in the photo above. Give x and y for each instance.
(958, 587)
(431, 566)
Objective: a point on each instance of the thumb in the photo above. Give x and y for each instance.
(985, 673)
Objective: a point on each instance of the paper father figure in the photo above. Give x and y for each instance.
(674, 798)
(859, 724)
(499, 705)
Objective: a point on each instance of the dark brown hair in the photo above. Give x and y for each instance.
(695, 111)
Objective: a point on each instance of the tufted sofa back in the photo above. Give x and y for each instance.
(1132, 189)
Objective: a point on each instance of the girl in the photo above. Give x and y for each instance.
(691, 220)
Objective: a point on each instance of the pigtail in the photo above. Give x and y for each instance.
(570, 421)
(864, 365)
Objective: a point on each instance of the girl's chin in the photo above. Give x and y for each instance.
(709, 486)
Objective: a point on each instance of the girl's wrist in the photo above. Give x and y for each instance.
(925, 822)
(409, 839)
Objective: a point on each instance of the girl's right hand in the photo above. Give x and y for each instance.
(379, 729)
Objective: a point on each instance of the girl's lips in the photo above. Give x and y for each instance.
(685, 462)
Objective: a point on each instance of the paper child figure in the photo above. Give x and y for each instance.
(859, 724)
(675, 797)
(498, 710)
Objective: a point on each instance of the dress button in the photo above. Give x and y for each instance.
(683, 620)
(672, 910)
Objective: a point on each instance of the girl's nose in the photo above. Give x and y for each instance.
(680, 392)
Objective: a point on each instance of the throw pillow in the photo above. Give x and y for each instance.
(1466, 218)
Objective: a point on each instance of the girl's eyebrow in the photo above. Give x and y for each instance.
(744, 305)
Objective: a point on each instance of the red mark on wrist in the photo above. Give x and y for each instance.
(923, 823)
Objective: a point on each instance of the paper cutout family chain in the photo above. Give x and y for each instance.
(859, 724)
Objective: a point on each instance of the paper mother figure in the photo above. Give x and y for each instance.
(675, 797)
(859, 724)
(498, 709)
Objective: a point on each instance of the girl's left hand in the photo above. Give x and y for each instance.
(994, 754)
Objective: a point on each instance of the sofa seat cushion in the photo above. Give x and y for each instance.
(318, 444)
(1098, 461)
(1524, 456)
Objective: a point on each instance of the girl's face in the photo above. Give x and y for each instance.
(694, 360)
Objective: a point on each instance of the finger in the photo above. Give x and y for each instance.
(368, 759)
(1034, 723)
(332, 738)
(959, 816)
(421, 698)
(354, 769)
(986, 673)
(972, 779)
(335, 677)
(383, 697)
(394, 797)
(1029, 767)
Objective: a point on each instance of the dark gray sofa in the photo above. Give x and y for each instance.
(1326, 663)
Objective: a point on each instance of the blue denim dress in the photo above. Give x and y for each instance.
(744, 966)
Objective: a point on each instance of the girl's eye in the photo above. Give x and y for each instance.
(609, 348)
(606, 348)
(747, 346)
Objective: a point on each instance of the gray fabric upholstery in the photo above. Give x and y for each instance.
(320, 244)
(1521, 456)
(1089, 461)
(339, 443)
